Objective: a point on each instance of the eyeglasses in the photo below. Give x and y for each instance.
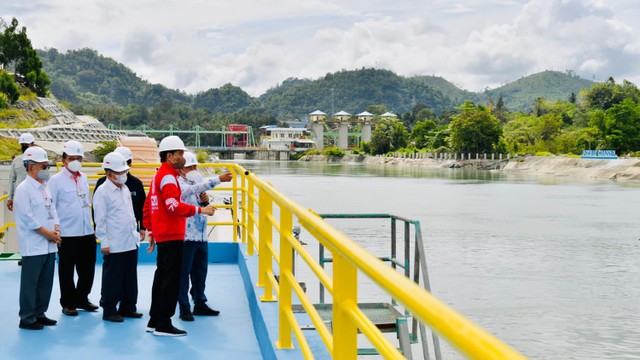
(46, 167)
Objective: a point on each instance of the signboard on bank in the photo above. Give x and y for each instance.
(599, 154)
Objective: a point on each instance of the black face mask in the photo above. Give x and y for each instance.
(24, 147)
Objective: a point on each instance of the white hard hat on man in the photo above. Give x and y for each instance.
(171, 143)
(26, 138)
(35, 154)
(73, 148)
(115, 162)
(124, 151)
(190, 159)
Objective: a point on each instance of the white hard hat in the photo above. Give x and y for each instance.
(36, 154)
(26, 138)
(190, 159)
(114, 161)
(73, 148)
(171, 143)
(124, 151)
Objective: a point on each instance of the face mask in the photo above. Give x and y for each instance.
(194, 176)
(74, 166)
(43, 175)
(179, 163)
(121, 179)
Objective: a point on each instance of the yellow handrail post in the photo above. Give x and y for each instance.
(286, 266)
(345, 296)
(265, 264)
(244, 213)
(234, 209)
(248, 210)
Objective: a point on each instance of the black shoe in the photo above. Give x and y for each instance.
(43, 320)
(186, 315)
(204, 310)
(132, 315)
(151, 325)
(113, 318)
(170, 331)
(69, 311)
(33, 326)
(88, 306)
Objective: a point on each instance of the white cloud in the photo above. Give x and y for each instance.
(195, 45)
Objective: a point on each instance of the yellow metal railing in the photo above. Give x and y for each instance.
(349, 258)
(143, 169)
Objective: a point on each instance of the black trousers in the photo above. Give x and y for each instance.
(119, 282)
(166, 283)
(77, 254)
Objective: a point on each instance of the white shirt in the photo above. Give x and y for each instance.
(34, 208)
(71, 197)
(116, 226)
(197, 224)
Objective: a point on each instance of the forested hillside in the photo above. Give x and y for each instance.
(92, 83)
(521, 94)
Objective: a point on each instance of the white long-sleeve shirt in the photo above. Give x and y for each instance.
(34, 208)
(71, 198)
(197, 224)
(116, 226)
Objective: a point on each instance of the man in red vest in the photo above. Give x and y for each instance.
(165, 219)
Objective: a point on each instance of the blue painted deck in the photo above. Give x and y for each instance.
(245, 329)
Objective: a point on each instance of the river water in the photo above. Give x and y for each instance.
(548, 265)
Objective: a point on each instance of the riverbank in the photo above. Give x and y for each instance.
(617, 170)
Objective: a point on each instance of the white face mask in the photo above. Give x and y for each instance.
(44, 175)
(194, 176)
(121, 179)
(74, 166)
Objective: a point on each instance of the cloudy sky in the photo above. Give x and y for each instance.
(194, 45)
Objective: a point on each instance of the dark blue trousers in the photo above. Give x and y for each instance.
(195, 262)
(36, 282)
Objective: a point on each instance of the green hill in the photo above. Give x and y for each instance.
(85, 78)
(353, 91)
(551, 85)
(89, 81)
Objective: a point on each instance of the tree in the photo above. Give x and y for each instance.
(474, 129)
(605, 95)
(390, 134)
(501, 111)
(9, 87)
(377, 109)
(16, 53)
(619, 125)
(422, 133)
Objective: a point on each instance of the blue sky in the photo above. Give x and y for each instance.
(194, 45)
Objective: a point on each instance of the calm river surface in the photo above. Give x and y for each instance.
(548, 265)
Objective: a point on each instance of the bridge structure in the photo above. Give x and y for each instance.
(233, 137)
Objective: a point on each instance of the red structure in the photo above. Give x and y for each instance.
(239, 139)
